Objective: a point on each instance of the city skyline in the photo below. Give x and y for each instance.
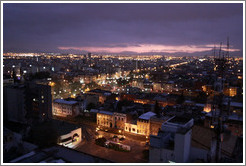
(90, 82)
(169, 29)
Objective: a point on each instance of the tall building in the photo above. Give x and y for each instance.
(14, 103)
(27, 102)
(39, 101)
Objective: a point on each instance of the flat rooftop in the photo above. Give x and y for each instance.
(179, 120)
(62, 101)
(147, 115)
(63, 127)
(99, 91)
(106, 112)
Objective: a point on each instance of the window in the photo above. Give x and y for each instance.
(122, 119)
(126, 128)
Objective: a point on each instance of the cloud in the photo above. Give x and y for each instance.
(111, 27)
(147, 48)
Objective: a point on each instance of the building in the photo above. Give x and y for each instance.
(157, 87)
(230, 91)
(58, 154)
(13, 145)
(143, 123)
(173, 142)
(90, 99)
(69, 134)
(105, 119)
(39, 101)
(119, 120)
(103, 94)
(65, 108)
(208, 89)
(131, 127)
(14, 103)
(156, 123)
(111, 119)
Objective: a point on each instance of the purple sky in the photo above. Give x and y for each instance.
(176, 29)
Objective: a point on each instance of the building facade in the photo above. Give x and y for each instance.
(143, 123)
(14, 103)
(119, 120)
(64, 108)
(105, 119)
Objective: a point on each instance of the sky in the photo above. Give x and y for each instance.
(130, 28)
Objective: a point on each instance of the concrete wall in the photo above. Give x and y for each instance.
(182, 146)
(71, 134)
(158, 155)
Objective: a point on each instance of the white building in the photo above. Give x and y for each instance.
(69, 134)
(65, 108)
(173, 143)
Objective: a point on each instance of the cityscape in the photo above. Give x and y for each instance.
(122, 83)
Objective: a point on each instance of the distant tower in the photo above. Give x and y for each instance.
(136, 65)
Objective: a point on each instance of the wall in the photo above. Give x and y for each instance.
(65, 110)
(105, 120)
(71, 134)
(143, 127)
(182, 146)
(131, 128)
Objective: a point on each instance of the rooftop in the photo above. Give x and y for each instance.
(99, 91)
(106, 112)
(179, 120)
(58, 154)
(201, 140)
(147, 116)
(63, 127)
(62, 101)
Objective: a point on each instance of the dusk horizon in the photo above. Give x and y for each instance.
(163, 28)
(123, 83)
